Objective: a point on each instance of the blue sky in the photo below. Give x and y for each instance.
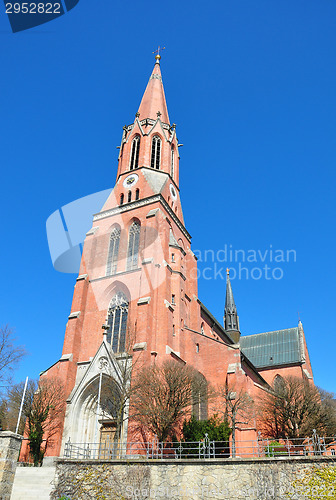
(251, 86)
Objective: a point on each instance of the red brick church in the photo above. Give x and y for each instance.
(138, 275)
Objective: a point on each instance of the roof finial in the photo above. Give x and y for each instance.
(227, 271)
(157, 52)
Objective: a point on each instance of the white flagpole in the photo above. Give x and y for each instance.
(22, 400)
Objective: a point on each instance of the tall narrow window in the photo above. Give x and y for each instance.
(133, 246)
(129, 198)
(117, 321)
(279, 385)
(200, 397)
(172, 164)
(134, 159)
(112, 258)
(122, 199)
(137, 194)
(156, 152)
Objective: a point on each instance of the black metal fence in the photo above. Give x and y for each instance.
(204, 449)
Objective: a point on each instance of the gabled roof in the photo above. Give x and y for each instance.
(281, 347)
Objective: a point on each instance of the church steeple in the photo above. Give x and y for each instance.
(153, 103)
(150, 141)
(231, 319)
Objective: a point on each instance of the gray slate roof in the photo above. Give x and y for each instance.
(281, 347)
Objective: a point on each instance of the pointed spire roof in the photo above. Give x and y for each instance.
(154, 100)
(231, 320)
(229, 300)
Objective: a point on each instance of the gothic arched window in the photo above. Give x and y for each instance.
(137, 194)
(112, 257)
(133, 246)
(129, 197)
(279, 385)
(117, 321)
(121, 199)
(134, 159)
(172, 165)
(156, 152)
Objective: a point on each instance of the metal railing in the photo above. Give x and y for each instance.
(204, 449)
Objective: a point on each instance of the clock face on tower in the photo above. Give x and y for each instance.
(173, 192)
(130, 181)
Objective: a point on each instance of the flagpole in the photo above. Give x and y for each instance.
(22, 400)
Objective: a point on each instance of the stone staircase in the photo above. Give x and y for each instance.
(33, 483)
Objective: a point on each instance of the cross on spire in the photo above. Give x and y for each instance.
(157, 52)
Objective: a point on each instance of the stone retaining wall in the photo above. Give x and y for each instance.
(266, 478)
(10, 444)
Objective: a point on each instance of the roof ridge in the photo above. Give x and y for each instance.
(272, 331)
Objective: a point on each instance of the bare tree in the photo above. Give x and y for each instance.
(43, 408)
(292, 410)
(238, 408)
(116, 393)
(164, 396)
(10, 354)
(328, 412)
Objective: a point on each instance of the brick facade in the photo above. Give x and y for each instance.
(165, 316)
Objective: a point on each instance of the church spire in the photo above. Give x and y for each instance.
(153, 104)
(231, 319)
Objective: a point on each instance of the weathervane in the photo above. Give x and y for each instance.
(157, 52)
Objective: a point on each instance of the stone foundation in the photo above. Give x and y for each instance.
(10, 444)
(225, 479)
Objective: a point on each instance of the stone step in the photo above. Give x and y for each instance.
(33, 483)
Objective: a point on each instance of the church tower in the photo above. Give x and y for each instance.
(138, 275)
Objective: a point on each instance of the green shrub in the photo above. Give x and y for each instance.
(194, 431)
(275, 449)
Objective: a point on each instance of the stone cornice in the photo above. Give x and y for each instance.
(141, 203)
(143, 167)
(109, 276)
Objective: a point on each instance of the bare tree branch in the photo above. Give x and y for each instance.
(43, 407)
(294, 409)
(237, 406)
(164, 396)
(10, 354)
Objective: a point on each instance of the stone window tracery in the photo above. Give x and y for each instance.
(172, 166)
(156, 152)
(133, 246)
(134, 159)
(117, 320)
(112, 257)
